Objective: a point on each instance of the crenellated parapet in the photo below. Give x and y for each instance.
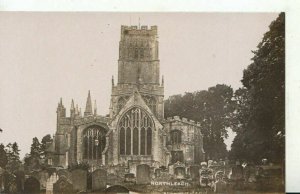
(184, 120)
(135, 30)
(91, 119)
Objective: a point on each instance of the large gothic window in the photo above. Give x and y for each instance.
(93, 143)
(137, 140)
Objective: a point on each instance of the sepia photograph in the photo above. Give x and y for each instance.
(137, 102)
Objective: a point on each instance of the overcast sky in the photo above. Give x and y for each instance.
(45, 56)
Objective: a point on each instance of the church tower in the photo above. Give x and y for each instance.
(138, 69)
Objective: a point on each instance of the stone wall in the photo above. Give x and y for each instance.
(191, 138)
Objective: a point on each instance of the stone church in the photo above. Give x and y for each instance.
(135, 131)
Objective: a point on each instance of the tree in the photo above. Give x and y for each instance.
(264, 127)
(212, 108)
(13, 157)
(3, 156)
(45, 140)
(32, 160)
(35, 149)
(239, 121)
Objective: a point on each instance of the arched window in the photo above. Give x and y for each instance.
(93, 143)
(138, 135)
(176, 137)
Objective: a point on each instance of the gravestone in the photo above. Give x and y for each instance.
(179, 172)
(99, 179)
(194, 172)
(143, 174)
(32, 185)
(20, 180)
(113, 179)
(63, 186)
(117, 189)
(64, 172)
(220, 186)
(79, 179)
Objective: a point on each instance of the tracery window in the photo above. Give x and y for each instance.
(175, 137)
(137, 140)
(93, 143)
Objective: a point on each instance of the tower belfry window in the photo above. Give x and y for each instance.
(138, 135)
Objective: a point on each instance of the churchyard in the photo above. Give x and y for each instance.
(177, 178)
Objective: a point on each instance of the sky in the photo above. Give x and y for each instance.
(46, 56)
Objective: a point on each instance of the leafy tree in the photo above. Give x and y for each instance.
(239, 121)
(3, 156)
(35, 149)
(32, 160)
(261, 132)
(46, 139)
(212, 108)
(13, 157)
